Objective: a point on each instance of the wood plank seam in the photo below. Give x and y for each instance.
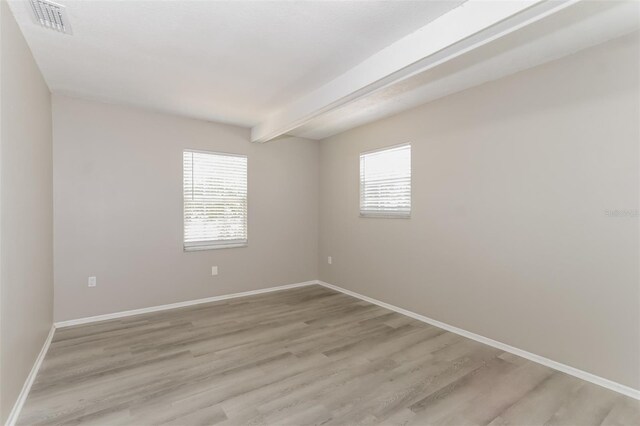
(581, 374)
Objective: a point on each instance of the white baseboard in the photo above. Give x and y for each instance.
(22, 397)
(122, 314)
(601, 381)
(15, 412)
(609, 384)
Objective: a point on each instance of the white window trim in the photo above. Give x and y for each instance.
(387, 215)
(378, 214)
(385, 148)
(213, 245)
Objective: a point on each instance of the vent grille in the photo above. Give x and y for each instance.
(51, 15)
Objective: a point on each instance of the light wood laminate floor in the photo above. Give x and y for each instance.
(300, 357)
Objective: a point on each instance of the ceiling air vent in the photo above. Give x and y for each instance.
(51, 15)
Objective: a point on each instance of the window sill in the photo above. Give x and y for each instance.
(385, 216)
(214, 247)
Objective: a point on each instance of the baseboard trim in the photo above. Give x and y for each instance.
(122, 314)
(22, 397)
(589, 377)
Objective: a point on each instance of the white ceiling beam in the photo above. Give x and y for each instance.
(469, 26)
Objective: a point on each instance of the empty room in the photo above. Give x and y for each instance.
(320, 212)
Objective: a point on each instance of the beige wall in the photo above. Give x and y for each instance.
(508, 236)
(26, 260)
(118, 210)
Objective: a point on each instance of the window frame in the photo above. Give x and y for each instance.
(380, 214)
(211, 244)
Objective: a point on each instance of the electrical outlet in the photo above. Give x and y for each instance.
(92, 282)
(214, 270)
(329, 260)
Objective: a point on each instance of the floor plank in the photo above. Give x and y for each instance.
(303, 356)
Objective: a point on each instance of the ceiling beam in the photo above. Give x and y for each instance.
(469, 26)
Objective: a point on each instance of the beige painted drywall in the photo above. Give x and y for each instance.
(118, 210)
(509, 235)
(26, 216)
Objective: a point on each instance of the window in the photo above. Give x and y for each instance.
(385, 182)
(215, 200)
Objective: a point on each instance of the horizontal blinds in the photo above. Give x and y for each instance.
(385, 182)
(215, 199)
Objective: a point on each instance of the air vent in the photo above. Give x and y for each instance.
(51, 15)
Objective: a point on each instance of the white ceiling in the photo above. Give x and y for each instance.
(570, 30)
(308, 68)
(229, 61)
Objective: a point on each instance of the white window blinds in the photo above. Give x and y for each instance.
(385, 182)
(215, 200)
